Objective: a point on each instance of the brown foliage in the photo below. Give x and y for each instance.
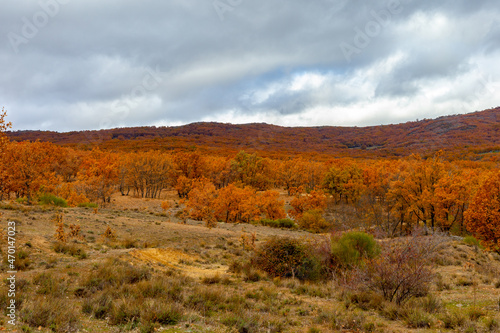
(482, 218)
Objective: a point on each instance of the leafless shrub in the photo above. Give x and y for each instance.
(404, 268)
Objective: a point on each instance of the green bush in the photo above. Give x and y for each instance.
(472, 241)
(288, 257)
(52, 200)
(352, 248)
(280, 223)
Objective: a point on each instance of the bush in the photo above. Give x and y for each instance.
(403, 269)
(99, 307)
(472, 241)
(70, 249)
(287, 257)
(50, 199)
(353, 248)
(280, 223)
(313, 221)
(48, 285)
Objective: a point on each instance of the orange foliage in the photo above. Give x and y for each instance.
(271, 205)
(28, 169)
(234, 204)
(482, 218)
(301, 203)
(98, 176)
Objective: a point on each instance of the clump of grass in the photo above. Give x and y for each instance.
(52, 200)
(472, 241)
(47, 284)
(214, 279)
(88, 205)
(417, 318)
(347, 320)
(162, 313)
(70, 249)
(453, 320)
(22, 261)
(99, 306)
(125, 311)
(115, 273)
(51, 313)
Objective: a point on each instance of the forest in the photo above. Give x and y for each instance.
(389, 196)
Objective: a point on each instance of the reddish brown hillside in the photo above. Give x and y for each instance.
(476, 133)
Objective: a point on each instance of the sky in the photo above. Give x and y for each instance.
(78, 65)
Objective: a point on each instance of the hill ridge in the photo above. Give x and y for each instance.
(478, 131)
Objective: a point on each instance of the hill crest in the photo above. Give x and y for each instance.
(476, 132)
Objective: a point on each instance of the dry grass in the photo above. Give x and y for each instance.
(185, 278)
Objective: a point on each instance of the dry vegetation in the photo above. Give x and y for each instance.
(132, 267)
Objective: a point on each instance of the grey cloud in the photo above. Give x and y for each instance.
(92, 55)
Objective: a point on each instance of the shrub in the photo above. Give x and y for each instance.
(417, 318)
(70, 249)
(99, 307)
(48, 285)
(88, 205)
(472, 241)
(287, 257)
(353, 248)
(52, 313)
(161, 313)
(313, 221)
(114, 273)
(50, 199)
(280, 223)
(403, 269)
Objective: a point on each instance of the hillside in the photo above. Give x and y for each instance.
(189, 278)
(476, 132)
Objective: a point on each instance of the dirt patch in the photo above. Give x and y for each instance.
(190, 265)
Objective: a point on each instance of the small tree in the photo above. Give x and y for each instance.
(109, 234)
(403, 270)
(482, 218)
(288, 257)
(60, 235)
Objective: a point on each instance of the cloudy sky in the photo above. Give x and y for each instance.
(73, 65)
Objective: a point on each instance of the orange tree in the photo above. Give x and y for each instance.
(482, 218)
(3, 127)
(98, 175)
(301, 203)
(3, 142)
(200, 202)
(271, 205)
(28, 169)
(234, 204)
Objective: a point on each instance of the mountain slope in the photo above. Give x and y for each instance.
(476, 132)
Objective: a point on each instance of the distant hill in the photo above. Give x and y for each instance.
(474, 133)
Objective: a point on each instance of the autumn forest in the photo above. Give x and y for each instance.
(445, 176)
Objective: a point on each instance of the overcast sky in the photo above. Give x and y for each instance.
(73, 65)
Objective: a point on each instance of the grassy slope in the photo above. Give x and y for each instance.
(209, 297)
